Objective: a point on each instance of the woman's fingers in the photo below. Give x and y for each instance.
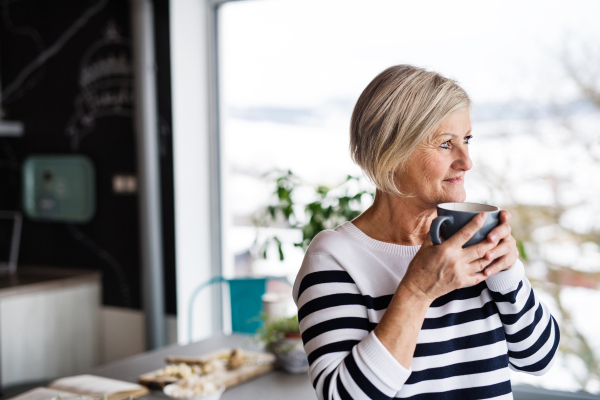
(500, 232)
(479, 250)
(505, 216)
(497, 265)
(479, 265)
(476, 278)
(503, 248)
(466, 232)
(498, 259)
(482, 260)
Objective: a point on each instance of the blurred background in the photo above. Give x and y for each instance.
(250, 118)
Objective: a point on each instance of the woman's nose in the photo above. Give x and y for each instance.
(463, 161)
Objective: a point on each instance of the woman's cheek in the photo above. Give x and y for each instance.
(433, 167)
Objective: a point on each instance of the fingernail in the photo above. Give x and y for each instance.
(490, 256)
(493, 237)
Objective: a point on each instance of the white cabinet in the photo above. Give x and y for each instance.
(49, 324)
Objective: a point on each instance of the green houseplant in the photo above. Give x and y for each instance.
(271, 332)
(281, 336)
(330, 207)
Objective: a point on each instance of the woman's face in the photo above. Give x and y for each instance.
(435, 171)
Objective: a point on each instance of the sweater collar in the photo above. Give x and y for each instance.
(396, 249)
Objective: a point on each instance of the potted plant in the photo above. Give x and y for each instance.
(281, 336)
(330, 207)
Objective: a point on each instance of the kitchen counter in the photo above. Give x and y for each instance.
(32, 279)
(49, 323)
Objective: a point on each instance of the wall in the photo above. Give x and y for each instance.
(122, 333)
(65, 69)
(195, 170)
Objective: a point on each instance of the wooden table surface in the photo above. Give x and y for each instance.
(273, 385)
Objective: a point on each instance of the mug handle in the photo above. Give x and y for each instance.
(434, 231)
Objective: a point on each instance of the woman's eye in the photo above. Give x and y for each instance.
(467, 139)
(445, 145)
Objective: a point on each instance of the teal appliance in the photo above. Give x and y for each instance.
(59, 188)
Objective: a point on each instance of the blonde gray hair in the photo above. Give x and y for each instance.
(398, 110)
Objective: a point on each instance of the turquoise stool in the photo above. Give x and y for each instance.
(246, 304)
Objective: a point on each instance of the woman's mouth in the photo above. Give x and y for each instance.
(456, 179)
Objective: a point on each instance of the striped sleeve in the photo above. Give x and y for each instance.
(346, 359)
(532, 334)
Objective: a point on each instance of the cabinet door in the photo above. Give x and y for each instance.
(49, 333)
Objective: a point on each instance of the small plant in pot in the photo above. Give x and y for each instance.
(281, 336)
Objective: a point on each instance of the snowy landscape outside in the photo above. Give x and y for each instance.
(292, 70)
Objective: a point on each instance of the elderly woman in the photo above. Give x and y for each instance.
(383, 312)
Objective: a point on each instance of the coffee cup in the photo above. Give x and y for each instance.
(453, 216)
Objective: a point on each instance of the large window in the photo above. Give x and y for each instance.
(291, 71)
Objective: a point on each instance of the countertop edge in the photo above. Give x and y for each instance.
(63, 278)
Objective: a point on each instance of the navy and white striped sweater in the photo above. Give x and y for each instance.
(469, 339)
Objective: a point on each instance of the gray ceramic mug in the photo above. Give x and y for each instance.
(453, 216)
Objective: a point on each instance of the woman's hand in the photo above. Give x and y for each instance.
(506, 253)
(437, 270)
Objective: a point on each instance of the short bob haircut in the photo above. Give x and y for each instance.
(399, 109)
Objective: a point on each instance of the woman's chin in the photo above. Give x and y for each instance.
(457, 196)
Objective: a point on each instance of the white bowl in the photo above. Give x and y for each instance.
(168, 390)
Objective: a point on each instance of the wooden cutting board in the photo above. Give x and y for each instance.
(255, 364)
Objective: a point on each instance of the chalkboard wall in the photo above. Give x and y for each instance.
(65, 68)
